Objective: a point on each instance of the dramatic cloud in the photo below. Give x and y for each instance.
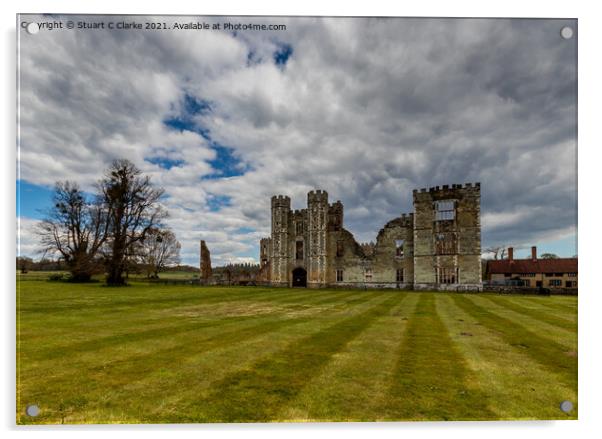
(367, 109)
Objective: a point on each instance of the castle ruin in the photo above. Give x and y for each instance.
(436, 247)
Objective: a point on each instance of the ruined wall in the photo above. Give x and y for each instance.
(447, 244)
(205, 262)
(265, 250)
(346, 255)
(394, 251)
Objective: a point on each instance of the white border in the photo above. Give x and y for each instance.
(590, 301)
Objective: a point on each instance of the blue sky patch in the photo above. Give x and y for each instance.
(282, 54)
(194, 106)
(226, 163)
(164, 162)
(216, 202)
(32, 199)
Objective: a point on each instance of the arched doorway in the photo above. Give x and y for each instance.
(299, 277)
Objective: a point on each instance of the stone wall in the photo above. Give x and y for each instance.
(450, 246)
(406, 252)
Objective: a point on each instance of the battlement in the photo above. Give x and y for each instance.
(446, 188)
(317, 196)
(299, 212)
(281, 201)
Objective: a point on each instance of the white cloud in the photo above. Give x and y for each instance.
(366, 109)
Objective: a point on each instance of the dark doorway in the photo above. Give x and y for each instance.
(299, 277)
(539, 284)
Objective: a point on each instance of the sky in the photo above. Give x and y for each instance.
(367, 109)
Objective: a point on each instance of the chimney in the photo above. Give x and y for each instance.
(510, 253)
(534, 253)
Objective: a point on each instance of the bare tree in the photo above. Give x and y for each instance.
(75, 228)
(159, 250)
(133, 209)
(498, 251)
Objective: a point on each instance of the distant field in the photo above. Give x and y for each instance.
(44, 275)
(159, 353)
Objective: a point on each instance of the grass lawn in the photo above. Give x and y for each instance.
(177, 353)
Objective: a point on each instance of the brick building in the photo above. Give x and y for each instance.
(533, 272)
(438, 246)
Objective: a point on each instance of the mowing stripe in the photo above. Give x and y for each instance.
(197, 345)
(258, 394)
(554, 356)
(518, 387)
(432, 380)
(563, 337)
(554, 302)
(133, 374)
(536, 313)
(168, 329)
(111, 302)
(352, 385)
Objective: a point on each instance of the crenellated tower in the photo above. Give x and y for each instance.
(281, 209)
(318, 215)
(447, 236)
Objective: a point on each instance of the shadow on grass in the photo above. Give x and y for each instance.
(551, 355)
(432, 380)
(258, 395)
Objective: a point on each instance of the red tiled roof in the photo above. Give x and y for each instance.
(560, 265)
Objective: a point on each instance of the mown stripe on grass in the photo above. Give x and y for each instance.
(117, 300)
(554, 356)
(199, 343)
(517, 386)
(258, 394)
(432, 380)
(354, 382)
(564, 337)
(131, 374)
(536, 313)
(557, 303)
(167, 329)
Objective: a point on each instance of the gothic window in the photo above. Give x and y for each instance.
(399, 248)
(447, 275)
(340, 249)
(445, 243)
(444, 210)
(368, 275)
(299, 227)
(299, 250)
(339, 275)
(399, 276)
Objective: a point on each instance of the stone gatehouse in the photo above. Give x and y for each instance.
(438, 246)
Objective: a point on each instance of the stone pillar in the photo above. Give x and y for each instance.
(317, 203)
(279, 260)
(205, 258)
